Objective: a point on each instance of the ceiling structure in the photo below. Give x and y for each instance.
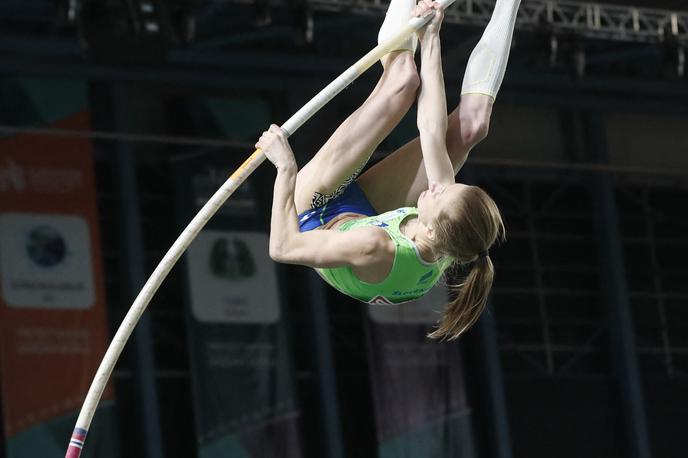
(194, 42)
(169, 16)
(589, 20)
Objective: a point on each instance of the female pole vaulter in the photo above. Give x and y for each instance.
(388, 235)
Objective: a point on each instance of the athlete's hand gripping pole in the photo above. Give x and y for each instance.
(209, 209)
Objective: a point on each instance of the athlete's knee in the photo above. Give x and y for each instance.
(408, 72)
(473, 130)
(402, 76)
(474, 123)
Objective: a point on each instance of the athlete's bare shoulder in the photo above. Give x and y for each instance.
(377, 259)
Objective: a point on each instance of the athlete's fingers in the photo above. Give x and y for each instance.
(277, 130)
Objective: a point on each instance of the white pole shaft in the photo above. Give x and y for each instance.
(199, 221)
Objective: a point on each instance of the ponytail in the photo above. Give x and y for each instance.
(471, 299)
(466, 232)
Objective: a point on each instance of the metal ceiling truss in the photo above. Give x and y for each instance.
(590, 20)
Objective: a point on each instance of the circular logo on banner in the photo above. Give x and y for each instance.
(45, 246)
(46, 261)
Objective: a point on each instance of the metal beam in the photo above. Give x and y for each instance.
(615, 290)
(281, 32)
(135, 277)
(486, 327)
(500, 433)
(590, 20)
(326, 380)
(552, 91)
(325, 375)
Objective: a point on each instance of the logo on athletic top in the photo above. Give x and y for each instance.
(391, 215)
(380, 224)
(425, 277)
(380, 300)
(307, 216)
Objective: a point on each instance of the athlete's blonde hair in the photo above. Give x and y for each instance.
(466, 232)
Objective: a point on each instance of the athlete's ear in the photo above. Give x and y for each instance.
(430, 232)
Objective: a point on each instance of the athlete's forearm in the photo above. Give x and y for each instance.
(432, 107)
(432, 113)
(283, 224)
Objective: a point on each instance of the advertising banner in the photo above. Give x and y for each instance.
(420, 401)
(243, 381)
(52, 299)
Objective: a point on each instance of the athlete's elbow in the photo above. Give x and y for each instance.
(285, 255)
(276, 254)
(280, 251)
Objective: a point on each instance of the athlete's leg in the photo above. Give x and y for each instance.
(399, 179)
(349, 148)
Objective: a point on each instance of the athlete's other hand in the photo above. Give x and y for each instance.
(275, 146)
(425, 8)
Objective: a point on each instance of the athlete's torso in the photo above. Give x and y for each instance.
(410, 276)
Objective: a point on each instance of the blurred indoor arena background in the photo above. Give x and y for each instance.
(119, 118)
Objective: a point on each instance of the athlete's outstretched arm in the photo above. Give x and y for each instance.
(401, 177)
(432, 106)
(319, 249)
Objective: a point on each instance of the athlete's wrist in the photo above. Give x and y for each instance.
(430, 42)
(287, 168)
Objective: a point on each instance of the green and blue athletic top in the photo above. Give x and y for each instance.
(410, 278)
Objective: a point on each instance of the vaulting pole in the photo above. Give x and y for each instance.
(209, 209)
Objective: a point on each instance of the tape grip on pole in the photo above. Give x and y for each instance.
(76, 443)
(247, 163)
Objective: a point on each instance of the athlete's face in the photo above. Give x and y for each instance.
(438, 198)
